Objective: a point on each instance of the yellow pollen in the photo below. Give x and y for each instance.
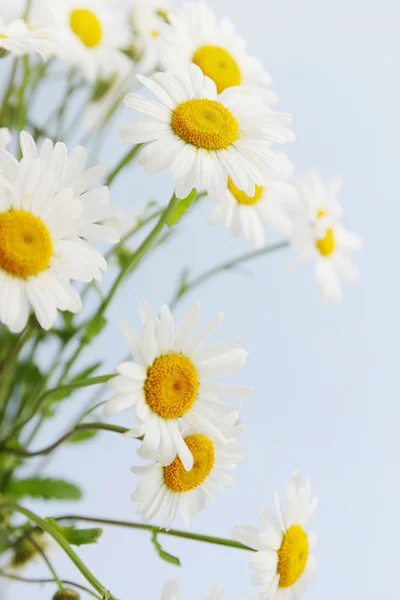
(155, 33)
(171, 385)
(2, 37)
(292, 556)
(219, 65)
(241, 197)
(25, 244)
(205, 124)
(326, 245)
(179, 480)
(162, 14)
(86, 26)
(321, 213)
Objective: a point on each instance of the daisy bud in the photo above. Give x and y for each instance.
(66, 594)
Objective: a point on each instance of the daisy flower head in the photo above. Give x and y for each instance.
(148, 18)
(170, 382)
(246, 215)
(204, 137)
(46, 219)
(195, 35)
(171, 591)
(283, 562)
(162, 491)
(319, 234)
(20, 39)
(90, 36)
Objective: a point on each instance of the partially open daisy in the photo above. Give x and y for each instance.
(203, 137)
(196, 36)
(169, 382)
(19, 39)
(245, 215)
(162, 491)
(42, 237)
(318, 234)
(148, 18)
(90, 35)
(171, 591)
(283, 561)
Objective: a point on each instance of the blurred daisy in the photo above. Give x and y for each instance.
(5, 137)
(203, 137)
(148, 18)
(318, 234)
(245, 215)
(283, 562)
(19, 39)
(164, 490)
(196, 36)
(42, 223)
(171, 591)
(90, 35)
(169, 382)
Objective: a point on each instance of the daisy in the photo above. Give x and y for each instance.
(204, 137)
(282, 561)
(90, 36)
(5, 137)
(148, 17)
(245, 215)
(164, 490)
(169, 382)
(171, 591)
(43, 224)
(195, 35)
(318, 234)
(20, 39)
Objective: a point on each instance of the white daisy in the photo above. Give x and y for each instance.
(195, 35)
(204, 137)
(90, 35)
(148, 17)
(162, 491)
(282, 561)
(169, 381)
(20, 39)
(245, 215)
(318, 234)
(171, 591)
(5, 137)
(42, 223)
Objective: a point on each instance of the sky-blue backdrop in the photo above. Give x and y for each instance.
(325, 379)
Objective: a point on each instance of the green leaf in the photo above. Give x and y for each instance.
(162, 554)
(82, 436)
(87, 372)
(77, 537)
(94, 327)
(123, 256)
(48, 489)
(182, 206)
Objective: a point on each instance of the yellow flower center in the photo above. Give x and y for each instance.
(25, 244)
(86, 26)
(205, 123)
(321, 213)
(179, 480)
(292, 556)
(326, 245)
(219, 65)
(241, 197)
(171, 385)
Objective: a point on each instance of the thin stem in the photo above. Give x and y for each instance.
(64, 438)
(9, 89)
(198, 537)
(43, 581)
(60, 539)
(124, 162)
(46, 560)
(16, 346)
(225, 267)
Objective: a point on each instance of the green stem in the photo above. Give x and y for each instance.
(43, 581)
(46, 560)
(64, 438)
(60, 539)
(9, 89)
(16, 346)
(124, 162)
(198, 537)
(225, 267)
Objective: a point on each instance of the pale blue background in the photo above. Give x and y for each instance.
(325, 379)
